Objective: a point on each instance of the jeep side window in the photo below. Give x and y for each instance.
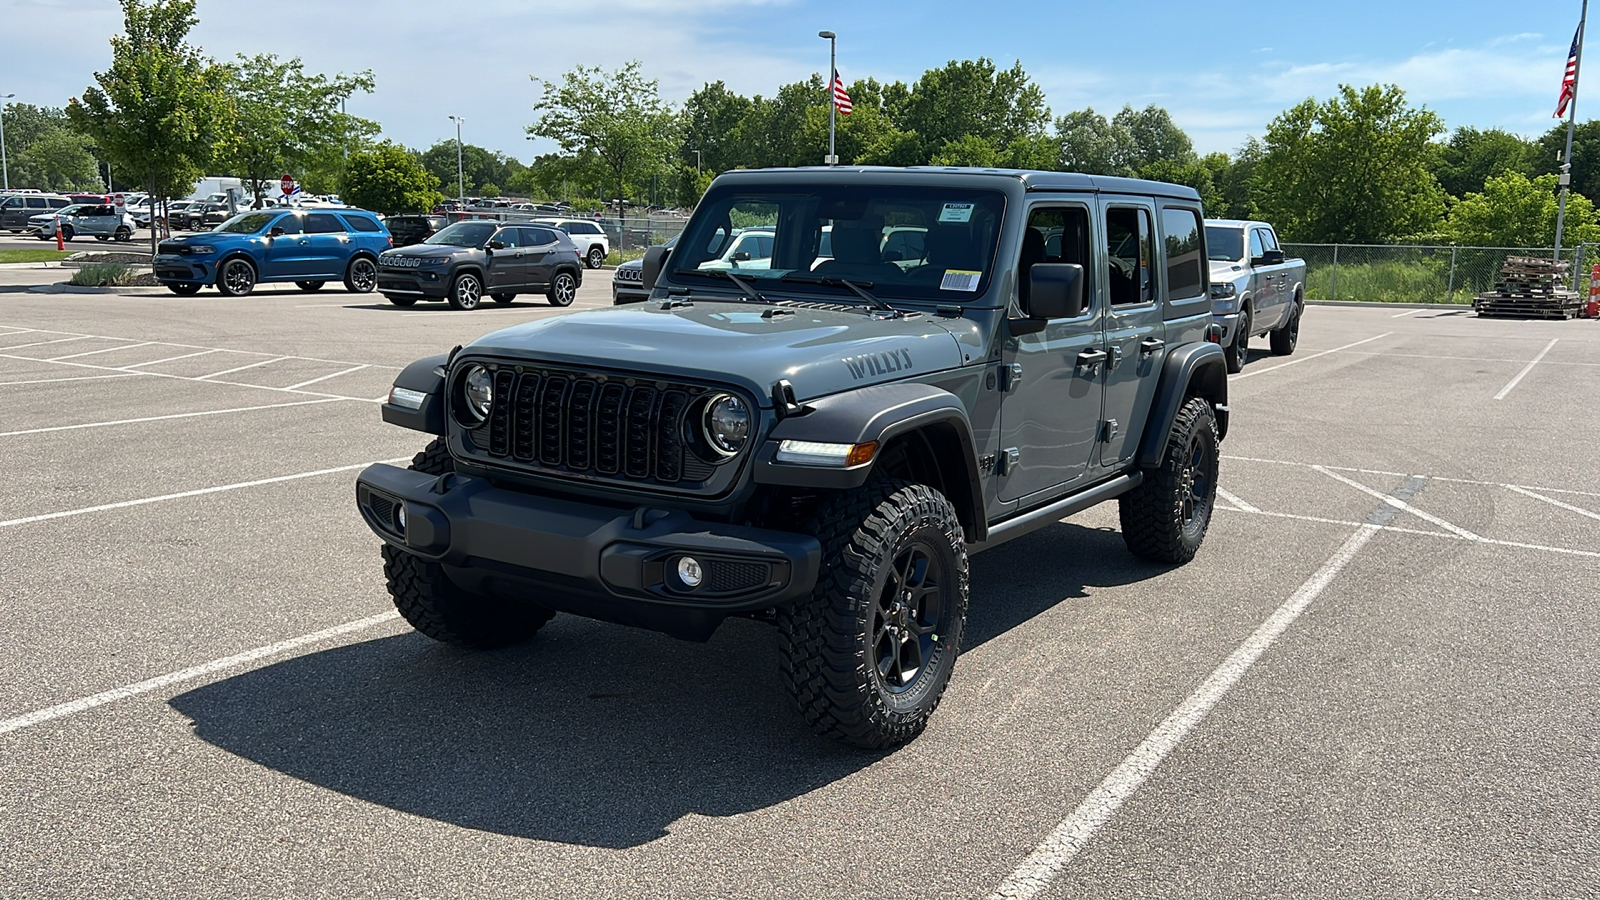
(1128, 255)
(1056, 235)
(1185, 253)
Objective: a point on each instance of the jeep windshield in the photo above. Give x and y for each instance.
(464, 234)
(906, 243)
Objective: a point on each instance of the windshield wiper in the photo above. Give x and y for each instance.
(859, 287)
(743, 285)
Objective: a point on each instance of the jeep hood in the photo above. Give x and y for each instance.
(819, 351)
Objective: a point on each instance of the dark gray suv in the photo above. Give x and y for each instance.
(822, 442)
(462, 262)
(17, 209)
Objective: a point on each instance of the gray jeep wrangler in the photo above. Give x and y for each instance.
(821, 443)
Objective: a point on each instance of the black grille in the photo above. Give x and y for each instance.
(723, 576)
(598, 426)
(173, 249)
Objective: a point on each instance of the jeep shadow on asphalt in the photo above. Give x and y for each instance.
(591, 734)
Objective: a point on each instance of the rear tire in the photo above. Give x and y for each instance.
(868, 655)
(435, 606)
(1239, 353)
(597, 256)
(1165, 518)
(124, 234)
(1285, 338)
(310, 287)
(563, 289)
(361, 276)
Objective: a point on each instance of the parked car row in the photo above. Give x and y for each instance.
(100, 220)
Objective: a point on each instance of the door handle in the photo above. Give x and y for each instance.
(1150, 345)
(1091, 358)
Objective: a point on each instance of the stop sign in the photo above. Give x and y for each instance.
(119, 200)
(288, 184)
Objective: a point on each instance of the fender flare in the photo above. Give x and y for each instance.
(427, 376)
(1190, 370)
(881, 413)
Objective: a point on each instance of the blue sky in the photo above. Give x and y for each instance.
(1222, 70)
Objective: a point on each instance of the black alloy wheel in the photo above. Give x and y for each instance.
(361, 276)
(237, 277)
(1285, 338)
(563, 289)
(906, 618)
(1240, 353)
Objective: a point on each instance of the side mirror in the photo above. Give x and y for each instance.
(1272, 258)
(655, 259)
(277, 231)
(497, 245)
(742, 256)
(1055, 291)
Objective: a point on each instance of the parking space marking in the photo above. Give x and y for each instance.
(105, 350)
(199, 492)
(295, 387)
(209, 379)
(254, 365)
(187, 415)
(1301, 359)
(107, 337)
(1409, 312)
(73, 378)
(1526, 369)
(1041, 867)
(62, 710)
(1302, 465)
(1237, 503)
(158, 362)
(1554, 502)
(1400, 529)
(42, 343)
(1399, 504)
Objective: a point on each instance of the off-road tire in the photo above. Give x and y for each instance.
(1285, 338)
(400, 299)
(466, 291)
(596, 257)
(503, 298)
(830, 646)
(435, 606)
(234, 281)
(563, 289)
(1238, 353)
(361, 275)
(310, 287)
(1165, 518)
(184, 289)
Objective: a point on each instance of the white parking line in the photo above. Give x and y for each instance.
(1526, 369)
(1399, 504)
(1302, 465)
(1410, 312)
(254, 365)
(74, 378)
(296, 387)
(195, 493)
(106, 350)
(1237, 503)
(1554, 502)
(1400, 529)
(42, 343)
(187, 415)
(107, 337)
(210, 379)
(63, 710)
(157, 362)
(1301, 359)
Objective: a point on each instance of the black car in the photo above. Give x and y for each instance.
(466, 260)
(408, 230)
(16, 210)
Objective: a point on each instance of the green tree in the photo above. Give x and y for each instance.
(618, 118)
(1471, 157)
(1194, 174)
(1090, 144)
(55, 158)
(1585, 155)
(1232, 177)
(1151, 135)
(1516, 211)
(1353, 169)
(389, 179)
(709, 127)
(158, 112)
(283, 118)
(973, 98)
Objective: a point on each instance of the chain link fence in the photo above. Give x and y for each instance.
(1385, 273)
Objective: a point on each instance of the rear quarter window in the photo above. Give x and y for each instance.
(1185, 251)
(361, 223)
(323, 223)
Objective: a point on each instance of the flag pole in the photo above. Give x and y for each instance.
(1572, 117)
(833, 102)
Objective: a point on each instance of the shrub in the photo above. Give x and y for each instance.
(102, 275)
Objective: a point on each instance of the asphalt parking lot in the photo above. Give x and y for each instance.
(1377, 679)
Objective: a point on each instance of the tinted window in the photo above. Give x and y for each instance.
(583, 228)
(1225, 244)
(1185, 269)
(55, 202)
(538, 237)
(1056, 235)
(510, 237)
(289, 223)
(38, 203)
(361, 223)
(323, 223)
(463, 234)
(1128, 255)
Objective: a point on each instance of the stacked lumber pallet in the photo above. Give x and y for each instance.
(1530, 287)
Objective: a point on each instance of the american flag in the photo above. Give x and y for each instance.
(840, 98)
(1569, 81)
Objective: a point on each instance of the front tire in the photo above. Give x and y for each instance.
(466, 292)
(597, 256)
(868, 655)
(361, 276)
(1165, 518)
(66, 232)
(310, 287)
(1236, 355)
(1285, 338)
(124, 234)
(563, 289)
(236, 278)
(435, 606)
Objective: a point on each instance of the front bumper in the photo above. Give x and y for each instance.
(1229, 323)
(585, 559)
(417, 282)
(628, 292)
(186, 269)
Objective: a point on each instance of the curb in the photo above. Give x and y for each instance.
(1378, 305)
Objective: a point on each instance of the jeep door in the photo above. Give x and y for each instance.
(1134, 329)
(1052, 379)
(507, 264)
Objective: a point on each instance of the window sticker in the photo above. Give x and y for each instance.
(956, 212)
(960, 280)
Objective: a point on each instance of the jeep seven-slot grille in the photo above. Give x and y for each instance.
(604, 427)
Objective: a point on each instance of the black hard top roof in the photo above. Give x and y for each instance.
(1030, 180)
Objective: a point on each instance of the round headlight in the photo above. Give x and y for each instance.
(477, 387)
(727, 424)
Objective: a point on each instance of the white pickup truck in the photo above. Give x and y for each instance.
(1254, 289)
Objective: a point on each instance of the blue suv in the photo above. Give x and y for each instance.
(307, 247)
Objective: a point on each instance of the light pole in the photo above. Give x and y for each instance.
(4, 172)
(833, 108)
(461, 173)
(697, 164)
